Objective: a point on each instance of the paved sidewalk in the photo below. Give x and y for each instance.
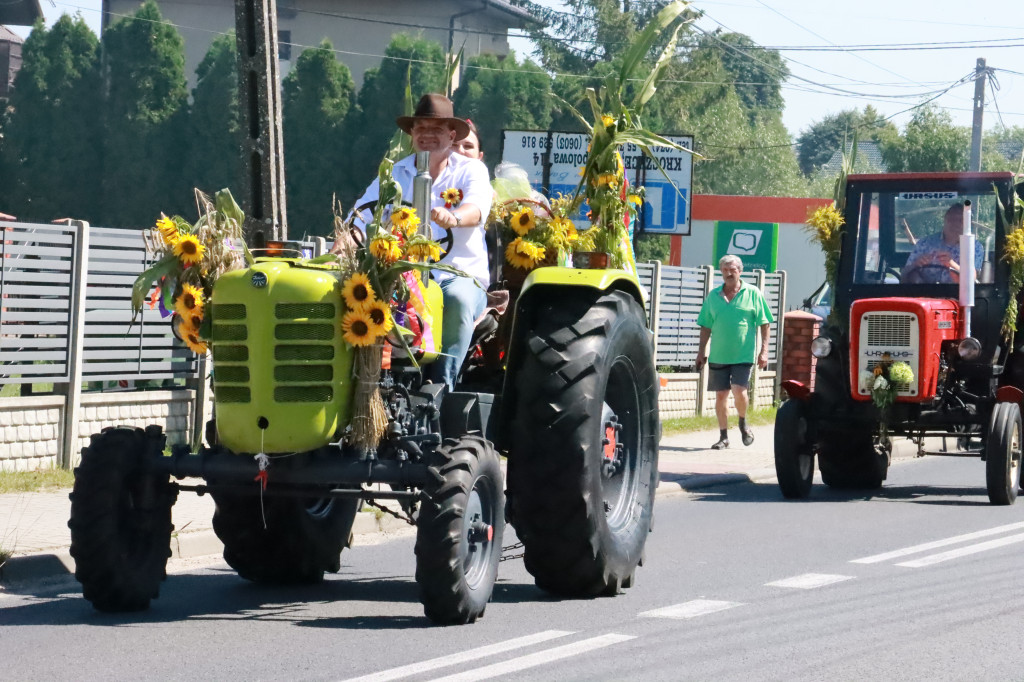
(34, 525)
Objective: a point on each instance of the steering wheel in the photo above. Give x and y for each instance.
(446, 242)
(893, 272)
(918, 276)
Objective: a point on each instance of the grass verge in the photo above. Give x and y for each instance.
(708, 422)
(34, 481)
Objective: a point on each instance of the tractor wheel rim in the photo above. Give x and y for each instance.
(621, 414)
(478, 532)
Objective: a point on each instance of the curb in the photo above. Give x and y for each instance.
(23, 570)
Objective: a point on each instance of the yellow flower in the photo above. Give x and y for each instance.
(358, 292)
(405, 220)
(608, 121)
(620, 170)
(190, 298)
(188, 249)
(524, 254)
(380, 316)
(424, 250)
(358, 328)
(608, 179)
(386, 249)
(191, 338)
(523, 221)
(1013, 252)
(634, 200)
(167, 229)
(452, 197)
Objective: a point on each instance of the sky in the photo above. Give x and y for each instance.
(829, 75)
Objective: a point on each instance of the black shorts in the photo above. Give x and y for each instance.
(721, 377)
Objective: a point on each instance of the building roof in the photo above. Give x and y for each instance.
(508, 8)
(9, 36)
(869, 156)
(20, 12)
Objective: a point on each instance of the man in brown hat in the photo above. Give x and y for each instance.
(435, 129)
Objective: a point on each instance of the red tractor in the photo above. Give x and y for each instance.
(918, 343)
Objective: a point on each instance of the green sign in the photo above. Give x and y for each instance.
(757, 244)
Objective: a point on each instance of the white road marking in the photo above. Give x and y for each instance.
(539, 658)
(963, 551)
(809, 581)
(895, 554)
(690, 609)
(461, 657)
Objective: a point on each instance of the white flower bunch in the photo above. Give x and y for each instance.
(901, 373)
(880, 383)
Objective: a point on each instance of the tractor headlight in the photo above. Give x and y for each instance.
(969, 349)
(821, 347)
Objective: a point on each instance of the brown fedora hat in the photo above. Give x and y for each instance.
(435, 107)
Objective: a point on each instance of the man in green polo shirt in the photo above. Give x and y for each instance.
(731, 313)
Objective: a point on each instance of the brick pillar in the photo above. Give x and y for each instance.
(797, 361)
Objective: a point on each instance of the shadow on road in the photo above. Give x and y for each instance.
(749, 491)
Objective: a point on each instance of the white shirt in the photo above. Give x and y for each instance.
(469, 249)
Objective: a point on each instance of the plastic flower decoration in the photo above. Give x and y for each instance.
(358, 328)
(452, 197)
(357, 291)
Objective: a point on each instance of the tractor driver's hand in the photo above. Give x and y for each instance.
(443, 217)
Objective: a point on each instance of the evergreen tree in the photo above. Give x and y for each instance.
(146, 151)
(503, 95)
(318, 95)
(216, 137)
(50, 159)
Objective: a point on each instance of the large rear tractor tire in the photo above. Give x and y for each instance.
(121, 519)
(1003, 454)
(583, 462)
(286, 540)
(849, 461)
(794, 456)
(459, 530)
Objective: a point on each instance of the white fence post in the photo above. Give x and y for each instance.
(76, 337)
(655, 310)
(702, 382)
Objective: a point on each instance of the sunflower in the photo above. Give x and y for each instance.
(452, 197)
(191, 338)
(608, 179)
(424, 250)
(386, 249)
(190, 298)
(358, 291)
(406, 221)
(380, 317)
(168, 229)
(188, 249)
(523, 221)
(358, 328)
(634, 200)
(524, 254)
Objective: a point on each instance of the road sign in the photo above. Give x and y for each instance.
(553, 161)
(756, 244)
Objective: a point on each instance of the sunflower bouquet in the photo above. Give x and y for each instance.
(884, 382)
(1013, 253)
(191, 256)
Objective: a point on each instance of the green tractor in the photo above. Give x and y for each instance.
(570, 396)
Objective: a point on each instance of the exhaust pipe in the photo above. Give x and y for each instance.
(967, 270)
(422, 185)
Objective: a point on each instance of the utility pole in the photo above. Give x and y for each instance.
(980, 72)
(259, 97)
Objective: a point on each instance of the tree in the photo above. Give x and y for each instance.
(504, 94)
(214, 127)
(930, 142)
(145, 143)
(318, 95)
(824, 138)
(50, 158)
(757, 73)
(414, 61)
(1003, 149)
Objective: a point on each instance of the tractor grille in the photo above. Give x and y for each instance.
(301, 374)
(230, 354)
(889, 330)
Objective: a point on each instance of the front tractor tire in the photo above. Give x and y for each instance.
(1003, 454)
(459, 530)
(121, 519)
(284, 540)
(583, 462)
(794, 455)
(850, 461)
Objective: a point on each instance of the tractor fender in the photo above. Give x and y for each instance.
(546, 284)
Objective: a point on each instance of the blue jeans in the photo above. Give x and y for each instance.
(464, 301)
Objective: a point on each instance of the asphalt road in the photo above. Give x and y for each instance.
(737, 585)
